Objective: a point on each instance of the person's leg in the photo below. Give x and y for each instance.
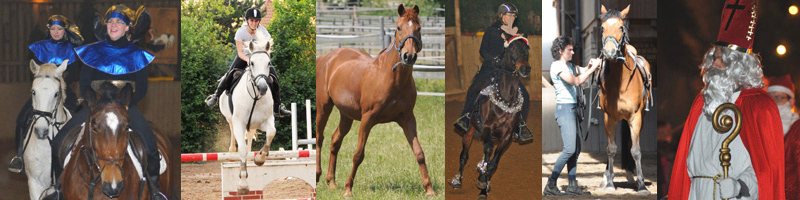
(141, 126)
(522, 130)
(481, 80)
(238, 63)
(572, 166)
(275, 88)
(71, 101)
(23, 123)
(566, 123)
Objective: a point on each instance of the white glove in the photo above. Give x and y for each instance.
(729, 188)
(508, 29)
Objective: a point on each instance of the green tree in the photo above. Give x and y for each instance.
(293, 29)
(202, 47)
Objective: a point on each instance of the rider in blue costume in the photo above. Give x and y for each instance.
(116, 57)
(62, 37)
(491, 51)
(247, 33)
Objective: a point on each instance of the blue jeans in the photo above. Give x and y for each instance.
(568, 123)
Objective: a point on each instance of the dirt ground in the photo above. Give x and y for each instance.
(201, 181)
(517, 171)
(591, 167)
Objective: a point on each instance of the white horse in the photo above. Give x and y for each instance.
(47, 95)
(252, 107)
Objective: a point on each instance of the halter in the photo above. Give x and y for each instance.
(401, 43)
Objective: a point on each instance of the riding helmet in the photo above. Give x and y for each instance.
(253, 13)
(507, 8)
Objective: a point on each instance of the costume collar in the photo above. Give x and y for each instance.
(112, 59)
(47, 51)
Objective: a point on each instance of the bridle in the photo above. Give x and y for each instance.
(91, 157)
(253, 79)
(49, 116)
(399, 44)
(618, 42)
(506, 45)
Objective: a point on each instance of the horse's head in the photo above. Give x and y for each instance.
(515, 55)
(46, 95)
(260, 62)
(614, 31)
(107, 131)
(407, 37)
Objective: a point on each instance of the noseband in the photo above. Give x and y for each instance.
(401, 43)
(618, 42)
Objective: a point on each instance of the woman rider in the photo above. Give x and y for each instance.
(491, 50)
(565, 78)
(248, 33)
(116, 57)
(62, 37)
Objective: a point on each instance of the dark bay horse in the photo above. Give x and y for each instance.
(103, 163)
(499, 104)
(625, 96)
(372, 90)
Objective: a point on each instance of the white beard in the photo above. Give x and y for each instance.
(719, 89)
(787, 116)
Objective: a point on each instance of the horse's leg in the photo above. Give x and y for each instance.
(611, 150)
(363, 133)
(269, 128)
(323, 112)
(466, 142)
(636, 152)
(336, 143)
(488, 147)
(241, 140)
(232, 148)
(409, 125)
(498, 152)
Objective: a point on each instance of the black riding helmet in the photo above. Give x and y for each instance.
(252, 13)
(507, 8)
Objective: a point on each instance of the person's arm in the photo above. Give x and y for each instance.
(240, 52)
(140, 79)
(491, 43)
(85, 82)
(580, 79)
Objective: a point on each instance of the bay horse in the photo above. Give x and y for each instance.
(500, 105)
(372, 90)
(625, 96)
(248, 107)
(107, 158)
(49, 114)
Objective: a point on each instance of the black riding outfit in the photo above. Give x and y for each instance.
(491, 50)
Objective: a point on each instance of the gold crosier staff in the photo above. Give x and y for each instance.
(722, 124)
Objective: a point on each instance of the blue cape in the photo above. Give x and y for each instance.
(49, 52)
(114, 60)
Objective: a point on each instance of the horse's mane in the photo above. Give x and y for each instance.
(610, 14)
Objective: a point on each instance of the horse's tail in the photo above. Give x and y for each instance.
(627, 158)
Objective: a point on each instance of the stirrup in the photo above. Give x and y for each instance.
(12, 166)
(523, 133)
(462, 123)
(211, 100)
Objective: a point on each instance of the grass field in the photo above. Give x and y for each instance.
(389, 170)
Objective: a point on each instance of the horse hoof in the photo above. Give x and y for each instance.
(430, 193)
(455, 185)
(348, 194)
(243, 191)
(610, 190)
(332, 185)
(643, 193)
(482, 197)
(629, 176)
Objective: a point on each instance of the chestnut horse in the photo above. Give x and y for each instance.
(500, 106)
(372, 90)
(104, 162)
(625, 96)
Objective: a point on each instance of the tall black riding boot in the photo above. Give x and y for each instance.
(275, 88)
(211, 100)
(153, 172)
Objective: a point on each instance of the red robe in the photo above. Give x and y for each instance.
(762, 135)
(792, 145)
